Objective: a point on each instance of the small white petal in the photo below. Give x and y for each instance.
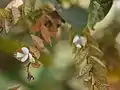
(83, 41)
(25, 50)
(31, 58)
(24, 58)
(18, 55)
(76, 38)
(78, 46)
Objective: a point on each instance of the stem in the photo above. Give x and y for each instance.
(29, 76)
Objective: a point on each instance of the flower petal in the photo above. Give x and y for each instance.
(83, 40)
(78, 46)
(31, 58)
(18, 55)
(25, 50)
(24, 58)
(76, 38)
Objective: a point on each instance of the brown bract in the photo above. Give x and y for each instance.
(36, 64)
(48, 25)
(34, 51)
(38, 42)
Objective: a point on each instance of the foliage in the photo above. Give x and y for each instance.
(39, 35)
(98, 10)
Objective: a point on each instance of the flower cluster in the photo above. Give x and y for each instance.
(24, 54)
(79, 41)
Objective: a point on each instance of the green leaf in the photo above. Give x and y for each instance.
(98, 10)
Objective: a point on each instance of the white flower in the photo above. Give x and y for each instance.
(24, 55)
(79, 41)
(25, 50)
(76, 38)
(31, 58)
(83, 40)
